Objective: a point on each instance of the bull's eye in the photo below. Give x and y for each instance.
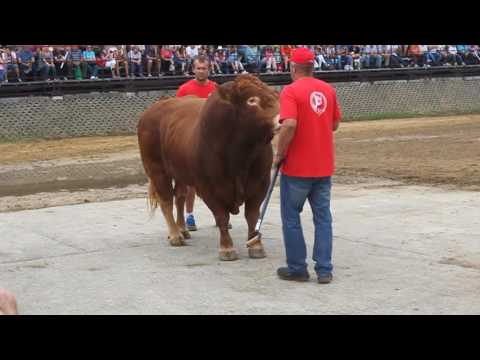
(253, 101)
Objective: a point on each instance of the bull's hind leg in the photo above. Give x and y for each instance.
(164, 191)
(180, 198)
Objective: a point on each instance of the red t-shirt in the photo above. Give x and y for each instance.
(193, 87)
(313, 103)
(166, 53)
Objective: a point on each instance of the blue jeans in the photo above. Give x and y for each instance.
(366, 61)
(2, 75)
(293, 193)
(343, 60)
(136, 69)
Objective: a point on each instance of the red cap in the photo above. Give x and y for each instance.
(302, 56)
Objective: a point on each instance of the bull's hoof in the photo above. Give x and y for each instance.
(176, 240)
(186, 234)
(257, 252)
(228, 255)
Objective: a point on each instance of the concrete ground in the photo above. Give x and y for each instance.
(397, 250)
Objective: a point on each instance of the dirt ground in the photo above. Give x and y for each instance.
(442, 151)
(420, 151)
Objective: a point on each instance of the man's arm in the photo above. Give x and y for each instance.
(285, 137)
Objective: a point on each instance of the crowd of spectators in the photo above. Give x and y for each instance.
(63, 62)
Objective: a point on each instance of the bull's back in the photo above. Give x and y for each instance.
(165, 133)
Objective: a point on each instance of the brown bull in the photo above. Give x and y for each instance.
(221, 146)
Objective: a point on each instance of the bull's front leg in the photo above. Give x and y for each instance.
(252, 213)
(227, 251)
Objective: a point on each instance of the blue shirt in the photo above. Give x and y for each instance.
(251, 55)
(25, 55)
(89, 55)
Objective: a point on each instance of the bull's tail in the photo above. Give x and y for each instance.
(153, 199)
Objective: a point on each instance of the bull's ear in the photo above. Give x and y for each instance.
(225, 92)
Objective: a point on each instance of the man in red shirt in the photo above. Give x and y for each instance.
(202, 87)
(309, 114)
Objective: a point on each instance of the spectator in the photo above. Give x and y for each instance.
(331, 58)
(10, 63)
(345, 60)
(47, 54)
(135, 59)
(371, 57)
(111, 62)
(432, 56)
(396, 61)
(121, 60)
(416, 54)
(214, 67)
(355, 52)
(385, 52)
(202, 51)
(3, 72)
(269, 59)
(462, 51)
(25, 62)
(472, 56)
(320, 59)
(41, 66)
(285, 51)
(453, 58)
(166, 56)
(68, 61)
(241, 50)
(191, 53)
(141, 48)
(234, 62)
(152, 56)
(180, 60)
(221, 60)
(76, 58)
(101, 61)
(89, 66)
(278, 57)
(60, 59)
(252, 58)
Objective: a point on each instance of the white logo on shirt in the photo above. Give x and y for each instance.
(318, 102)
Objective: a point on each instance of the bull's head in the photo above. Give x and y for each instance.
(255, 107)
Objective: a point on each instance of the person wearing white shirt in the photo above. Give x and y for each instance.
(191, 53)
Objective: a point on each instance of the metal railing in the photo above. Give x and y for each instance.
(64, 87)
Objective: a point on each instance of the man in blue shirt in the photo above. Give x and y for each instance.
(25, 62)
(252, 58)
(89, 63)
